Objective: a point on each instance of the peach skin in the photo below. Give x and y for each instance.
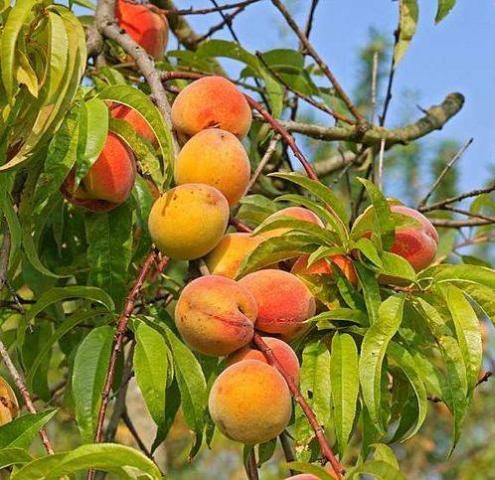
(322, 267)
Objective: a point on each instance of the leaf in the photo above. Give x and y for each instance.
(109, 237)
(468, 332)
(20, 432)
(408, 20)
(401, 356)
(88, 378)
(378, 469)
(150, 366)
(369, 250)
(18, 16)
(344, 378)
(321, 473)
(373, 350)
(103, 456)
(13, 456)
(396, 267)
(444, 8)
(384, 453)
(371, 291)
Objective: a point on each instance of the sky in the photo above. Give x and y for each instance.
(456, 55)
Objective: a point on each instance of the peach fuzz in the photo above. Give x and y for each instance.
(417, 244)
(188, 221)
(138, 123)
(211, 102)
(215, 315)
(281, 350)
(284, 301)
(217, 158)
(322, 267)
(147, 28)
(298, 213)
(226, 258)
(109, 180)
(250, 402)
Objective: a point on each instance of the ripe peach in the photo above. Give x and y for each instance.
(322, 267)
(140, 125)
(250, 402)
(226, 258)
(211, 102)
(146, 27)
(298, 213)
(282, 351)
(188, 221)
(215, 157)
(307, 476)
(215, 315)
(108, 182)
(9, 408)
(417, 244)
(284, 301)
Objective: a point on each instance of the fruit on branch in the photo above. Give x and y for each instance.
(135, 119)
(215, 315)
(146, 27)
(284, 301)
(417, 243)
(211, 102)
(307, 476)
(226, 258)
(298, 213)
(188, 221)
(109, 180)
(322, 267)
(9, 408)
(281, 350)
(215, 157)
(250, 402)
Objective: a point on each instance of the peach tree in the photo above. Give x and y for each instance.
(161, 221)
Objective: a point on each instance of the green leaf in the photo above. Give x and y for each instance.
(483, 297)
(408, 20)
(344, 378)
(17, 18)
(20, 432)
(373, 350)
(405, 361)
(371, 291)
(13, 456)
(88, 378)
(468, 332)
(104, 456)
(150, 366)
(384, 453)
(378, 469)
(444, 8)
(396, 267)
(320, 472)
(109, 237)
(369, 250)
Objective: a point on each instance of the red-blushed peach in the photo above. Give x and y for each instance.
(284, 301)
(211, 102)
(298, 213)
(217, 158)
(188, 221)
(215, 315)
(281, 350)
(250, 402)
(308, 476)
(138, 123)
(417, 244)
(226, 258)
(322, 267)
(109, 180)
(147, 28)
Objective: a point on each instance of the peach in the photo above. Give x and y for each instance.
(139, 124)
(215, 315)
(215, 157)
(417, 244)
(188, 221)
(211, 102)
(281, 350)
(147, 28)
(322, 267)
(226, 258)
(284, 301)
(250, 402)
(9, 408)
(109, 180)
(298, 213)
(307, 476)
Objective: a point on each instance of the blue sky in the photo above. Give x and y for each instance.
(456, 55)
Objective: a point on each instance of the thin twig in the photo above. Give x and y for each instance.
(379, 173)
(272, 147)
(444, 172)
(204, 11)
(226, 21)
(287, 448)
(326, 450)
(460, 223)
(128, 423)
(251, 466)
(467, 213)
